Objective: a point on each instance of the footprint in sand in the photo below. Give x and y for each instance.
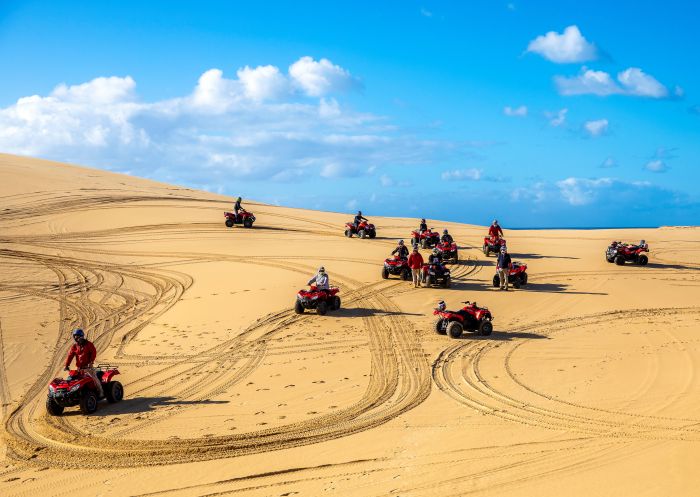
(289, 386)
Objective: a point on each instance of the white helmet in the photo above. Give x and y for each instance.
(441, 306)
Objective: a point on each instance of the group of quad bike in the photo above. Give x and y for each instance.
(78, 389)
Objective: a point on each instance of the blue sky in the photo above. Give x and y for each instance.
(583, 114)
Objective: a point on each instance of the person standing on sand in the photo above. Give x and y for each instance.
(503, 267)
(415, 262)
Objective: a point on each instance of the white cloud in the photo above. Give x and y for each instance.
(597, 127)
(515, 111)
(247, 127)
(558, 118)
(472, 174)
(570, 46)
(656, 166)
(608, 163)
(425, 13)
(320, 78)
(632, 82)
(263, 82)
(386, 181)
(581, 191)
(637, 82)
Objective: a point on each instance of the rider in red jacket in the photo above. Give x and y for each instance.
(495, 231)
(85, 354)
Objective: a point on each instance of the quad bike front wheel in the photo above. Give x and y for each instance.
(454, 329)
(516, 282)
(229, 223)
(298, 307)
(114, 392)
(406, 274)
(322, 308)
(610, 260)
(485, 328)
(348, 233)
(336, 303)
(619, 260)
(440, 327)
(362, 234)
(88, 403)
(385, 273)
(247, 223)
(372, 234)
(642, 260)
(447, 282)
(496, 281)
(428, 280)
(53, 408)
(486, 250)
(523, 278)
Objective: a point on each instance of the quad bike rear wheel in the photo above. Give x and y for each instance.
(229, 223)
(446, 282)
(486, 250)
(496, 280)
(372, 234)
(298, 307)
(424, 243)
(454, 329)
(247, 223)
(485, 328)
(523, 278)
(516, 282)
(348, 233)
(52, 408)
(385, 273)
(88, 402)
(610, 260)
(336, 303)
(114, 391)
(361, 233)
(322, 308)
(439, 328)
(642, 260)
(619, 260)
(428, 280)
(406, 274)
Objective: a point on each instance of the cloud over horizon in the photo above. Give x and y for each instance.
(567, 47)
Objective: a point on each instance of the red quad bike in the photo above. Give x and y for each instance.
(397, 266)
(364, 230)
(448, 251)
(470, 317)
(244, 217)
(427, 239)
(619, 253)
(517, 276)
(79, 389)
(493, 245)
(317, 299)
(436, 274)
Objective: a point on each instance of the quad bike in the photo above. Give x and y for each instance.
(398, 266)
(321, 300)
(471, 317)
(427, 239)
(436, 274)
(493, 245)
(516, 276)
(80, 389)
(244, 217)
(619, 253)
(364, 230)
(448, 251)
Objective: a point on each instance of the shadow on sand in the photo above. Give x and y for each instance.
(515, 255)
(139, 405)
(363, 312)
(503, 336)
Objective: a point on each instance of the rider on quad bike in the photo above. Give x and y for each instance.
(401, 250)
(435, 257)
(423, 227)
(237, 206)
(358, 219)
(446, 237)
(320, 280)
(495, 231)
(85, 354)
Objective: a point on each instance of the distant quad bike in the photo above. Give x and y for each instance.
(427, 239)
(364, 230)
(321, 300)
(448, 251)
(244, 217)
(397, 266)
(619, 253)
(79, 389)
(471, 317)
(493, 245)
(436, 275)
(517, 276)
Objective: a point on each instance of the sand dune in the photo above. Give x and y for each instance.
(588, 385)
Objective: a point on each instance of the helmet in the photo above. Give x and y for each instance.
(444, 232)
(495, 221)
(503, 248)
(400, 242)
(359, 213)
(441, 306)
(322, 269)
(239, 199)
(422, 220)
(78, 333)
(643, 242)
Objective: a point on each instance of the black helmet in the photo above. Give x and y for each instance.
(444, 232)
(359, 213)
(422, 220)
(400, 242)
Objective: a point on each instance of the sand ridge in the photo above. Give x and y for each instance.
(589, 377)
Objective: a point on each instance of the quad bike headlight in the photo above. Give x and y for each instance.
(74, 388)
